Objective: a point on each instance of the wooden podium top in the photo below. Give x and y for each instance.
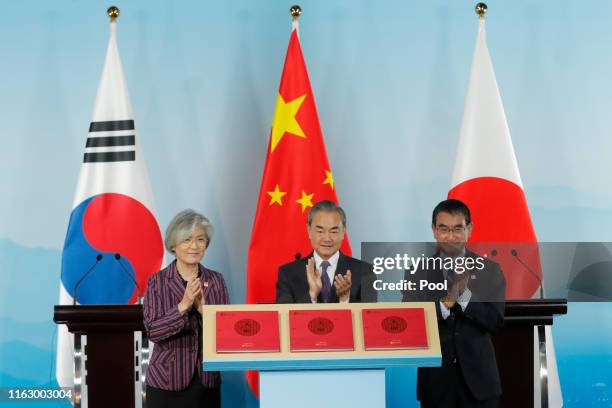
(286, 360)
(99, 318)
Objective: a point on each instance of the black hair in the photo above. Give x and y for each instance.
(454, 207)
(326, 205)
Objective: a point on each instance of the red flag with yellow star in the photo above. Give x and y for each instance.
(296, 176)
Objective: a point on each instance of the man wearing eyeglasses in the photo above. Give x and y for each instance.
(468, 312)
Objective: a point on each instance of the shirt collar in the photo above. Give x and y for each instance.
(445, 271)
(461, 254)
(333, 260)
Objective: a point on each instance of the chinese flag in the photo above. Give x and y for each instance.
(296, 176)
(486, 177)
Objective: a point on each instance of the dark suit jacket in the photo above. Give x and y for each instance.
(465, 337)
(292, 284)
(177, 337)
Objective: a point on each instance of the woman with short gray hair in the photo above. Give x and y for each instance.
(173, 307)
(182, 225)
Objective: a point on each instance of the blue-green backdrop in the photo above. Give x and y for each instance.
(389, 79)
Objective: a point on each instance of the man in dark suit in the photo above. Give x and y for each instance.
(468, 312)
(326, 275)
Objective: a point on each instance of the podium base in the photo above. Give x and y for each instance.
(322, 388)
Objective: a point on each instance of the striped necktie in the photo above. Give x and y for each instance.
(326, 289)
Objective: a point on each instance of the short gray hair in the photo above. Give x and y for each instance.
(328, 206)
(183, 224)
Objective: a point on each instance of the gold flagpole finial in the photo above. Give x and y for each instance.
(295, 11)
(113, 13)
(481, 10)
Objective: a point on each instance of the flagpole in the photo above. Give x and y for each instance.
(113, 12)
(481, 10)
(545, 373)
(295, 12)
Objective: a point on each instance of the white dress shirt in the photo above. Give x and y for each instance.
(331, 269)
(464, 298)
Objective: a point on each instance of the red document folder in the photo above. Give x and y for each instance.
(248, 331)
(321, 330)
(394, 328)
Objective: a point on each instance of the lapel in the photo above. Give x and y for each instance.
(175, 282)
(435, 274)
(340, 269)
(303, 262)
(206, 281)
(474, 273)
(342, 265)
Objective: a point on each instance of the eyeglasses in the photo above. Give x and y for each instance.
(456, 230)
(188, 242)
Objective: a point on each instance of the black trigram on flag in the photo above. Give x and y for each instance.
(110, 141)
